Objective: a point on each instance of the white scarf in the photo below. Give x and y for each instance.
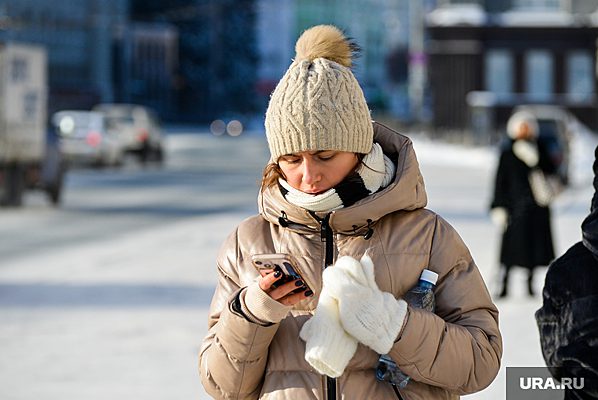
(374, 172)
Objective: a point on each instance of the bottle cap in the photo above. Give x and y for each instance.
(429, 276)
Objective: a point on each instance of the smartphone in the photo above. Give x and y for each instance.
(279, 262)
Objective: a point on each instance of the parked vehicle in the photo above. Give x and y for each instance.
(84, 139)
(137, 126)
(555, 124)
(26, 159)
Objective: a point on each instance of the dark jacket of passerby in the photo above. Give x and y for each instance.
(568, 319)
(527, 238)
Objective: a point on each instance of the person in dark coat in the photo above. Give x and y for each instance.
(521, 200)
(568, 318)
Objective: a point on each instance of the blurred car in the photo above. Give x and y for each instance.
(555, 124)
(84, 139)
(137, 126)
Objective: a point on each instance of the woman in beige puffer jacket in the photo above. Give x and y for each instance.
(347, 187)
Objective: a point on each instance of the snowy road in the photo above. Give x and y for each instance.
(106, 298)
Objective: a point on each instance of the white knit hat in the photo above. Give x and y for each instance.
(318, 104)
(519, 118)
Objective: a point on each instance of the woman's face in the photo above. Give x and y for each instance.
(524, 131)
(315, 172)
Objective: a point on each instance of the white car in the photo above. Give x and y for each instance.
(137, 127)
(83, 138)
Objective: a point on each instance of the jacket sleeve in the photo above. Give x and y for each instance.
(233, 356)
(548, 318)
(458, 347)
(567, 327)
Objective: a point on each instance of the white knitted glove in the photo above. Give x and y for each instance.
(373, 317)
(499, 216)
(328, 348)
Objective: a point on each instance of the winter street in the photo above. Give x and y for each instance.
(106, 297)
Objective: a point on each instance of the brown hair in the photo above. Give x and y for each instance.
(270, 176)
(272, 173)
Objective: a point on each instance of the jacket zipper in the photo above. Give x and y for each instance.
(327, 238)
(396, 389)
(326, 235)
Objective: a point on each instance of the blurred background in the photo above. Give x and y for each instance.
(132, 142)
(433, 62)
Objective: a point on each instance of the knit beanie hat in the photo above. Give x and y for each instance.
(519, 118)
(318, 104)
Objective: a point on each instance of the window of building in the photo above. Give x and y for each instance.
(537, 4)
(499, 72)
(539, 72)
(579, 75)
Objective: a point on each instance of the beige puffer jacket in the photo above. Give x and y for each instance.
(455, 351)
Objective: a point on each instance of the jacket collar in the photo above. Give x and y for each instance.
(406, 192)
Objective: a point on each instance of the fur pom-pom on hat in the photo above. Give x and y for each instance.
(325, 41)
(318, 104)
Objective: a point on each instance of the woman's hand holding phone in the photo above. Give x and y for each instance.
(289, 293)
(287, 289)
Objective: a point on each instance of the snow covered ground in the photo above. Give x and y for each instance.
(123, 317)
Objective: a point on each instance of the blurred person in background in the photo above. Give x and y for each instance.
(345, 198)
(568, 318)
(523, 192)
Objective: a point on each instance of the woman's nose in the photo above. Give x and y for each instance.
(311, 173)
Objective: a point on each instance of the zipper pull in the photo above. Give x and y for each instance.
(283, 220)
(324, 227)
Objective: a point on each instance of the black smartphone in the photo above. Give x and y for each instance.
(279, 262)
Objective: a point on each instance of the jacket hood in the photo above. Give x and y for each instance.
(589, 226)
(405, 192)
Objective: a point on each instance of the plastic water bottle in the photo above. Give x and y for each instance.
(420, 296)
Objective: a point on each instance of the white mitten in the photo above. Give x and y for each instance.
(499, 216)
(373, 317)
(328, 348)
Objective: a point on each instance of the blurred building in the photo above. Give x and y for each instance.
(382, 30)
(216, 72)
(79, 37)
(275, 44)
(485, 60)
(146, 57)
(188, 59)
(380, 27)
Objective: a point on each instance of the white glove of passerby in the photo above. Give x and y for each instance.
(373, 317)
(499, 216)
(328, 348)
